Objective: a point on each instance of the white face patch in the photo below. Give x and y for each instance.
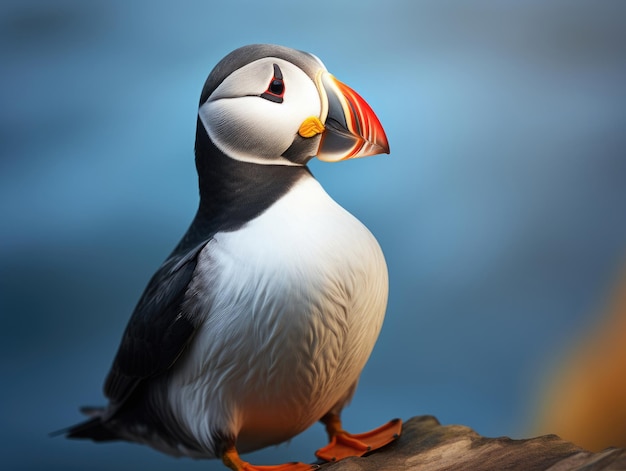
(246, 126)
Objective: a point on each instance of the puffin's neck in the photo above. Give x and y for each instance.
(233, 192)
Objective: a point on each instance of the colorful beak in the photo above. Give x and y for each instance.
(351, 127)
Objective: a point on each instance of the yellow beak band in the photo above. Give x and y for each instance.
(310, 127)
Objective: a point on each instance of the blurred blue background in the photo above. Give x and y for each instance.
(501, 209)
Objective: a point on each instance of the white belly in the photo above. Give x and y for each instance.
(292, 305)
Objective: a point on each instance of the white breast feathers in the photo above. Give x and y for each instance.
(291, 306)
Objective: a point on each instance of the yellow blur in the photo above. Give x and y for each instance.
(586, 400)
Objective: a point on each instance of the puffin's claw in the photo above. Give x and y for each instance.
(344, 444)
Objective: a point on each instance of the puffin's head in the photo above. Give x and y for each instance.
(274, 105)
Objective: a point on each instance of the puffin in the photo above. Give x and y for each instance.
(260, 321)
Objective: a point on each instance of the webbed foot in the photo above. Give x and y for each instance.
(343, 444)
(233, 461)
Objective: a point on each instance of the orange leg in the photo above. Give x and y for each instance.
(233, 461)
(343, 444)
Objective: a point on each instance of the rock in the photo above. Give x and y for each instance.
(426, 445)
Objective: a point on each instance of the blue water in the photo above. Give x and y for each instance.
(500, 209)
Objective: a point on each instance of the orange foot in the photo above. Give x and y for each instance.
(233, 461)
(294, 466)
(343, 444)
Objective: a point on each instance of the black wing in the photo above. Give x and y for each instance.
(158, 331)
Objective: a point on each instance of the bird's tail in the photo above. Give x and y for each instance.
(93, 428)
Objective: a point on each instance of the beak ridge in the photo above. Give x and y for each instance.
(352, 128)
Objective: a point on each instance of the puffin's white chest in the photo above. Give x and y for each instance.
(292, 304)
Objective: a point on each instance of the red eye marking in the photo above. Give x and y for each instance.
(276, 88)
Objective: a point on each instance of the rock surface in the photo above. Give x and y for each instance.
(426, 445)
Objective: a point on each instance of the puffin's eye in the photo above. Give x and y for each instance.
(276, 88)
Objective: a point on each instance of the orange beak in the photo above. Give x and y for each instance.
(351, 127)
